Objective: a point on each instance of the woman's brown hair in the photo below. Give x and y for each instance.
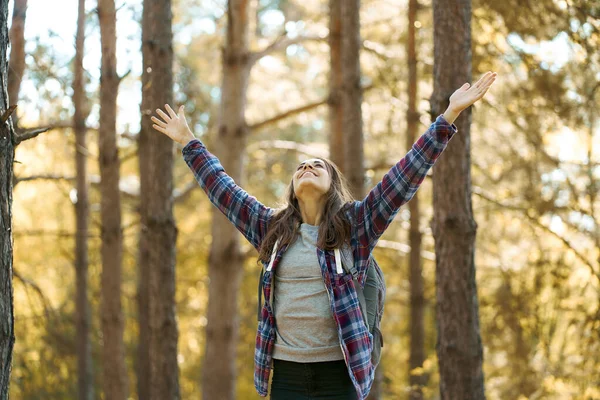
(334, 228)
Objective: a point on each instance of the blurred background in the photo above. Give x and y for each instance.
(535, 165)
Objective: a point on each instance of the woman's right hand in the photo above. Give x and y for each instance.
(173, 125)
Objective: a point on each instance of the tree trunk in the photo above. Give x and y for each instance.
(143, 294)
(115, 372)
(157, 244)
(16, 64)
(352, 97)
(459, 349)
(84, 346)
(336, 130)
(417, 297)
(225, 260)
(7, 155)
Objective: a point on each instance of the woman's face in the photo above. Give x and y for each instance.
(311, 178)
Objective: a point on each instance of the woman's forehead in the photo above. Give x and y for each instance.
(312, 161)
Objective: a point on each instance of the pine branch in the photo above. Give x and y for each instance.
(535, 221)
(287, 114)
(281, 43)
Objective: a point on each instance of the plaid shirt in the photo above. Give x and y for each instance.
(369, 218)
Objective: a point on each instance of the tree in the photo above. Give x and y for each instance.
(158, 371)
(336, 131)
(459, 348)
(351, 100)
(114, 370)
(7, 153)
(82, 313)
(225, 259)
(16, 63)
(417, 378)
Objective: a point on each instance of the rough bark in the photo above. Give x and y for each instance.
(7, 154)
(158, 232)
(16, 64)
(113, 351)
(226, 260)
(352, 97)
(336, 131)
(82, 308)
(459, 348)
(417, 297)
(142, 364)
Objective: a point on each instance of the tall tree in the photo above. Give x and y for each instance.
(336, 131)
(459, 348)
(225, 264)
(351, 97)
(114, 370)
(7, 154)
(158, 233)
(417, 296)
(82, 307)
(16, 64)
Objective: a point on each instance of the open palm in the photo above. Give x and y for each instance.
(467, 94)
(173, 125)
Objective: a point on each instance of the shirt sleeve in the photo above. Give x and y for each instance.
(245, 212)
(377, 210)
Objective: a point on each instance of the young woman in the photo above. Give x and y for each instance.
(311, 330)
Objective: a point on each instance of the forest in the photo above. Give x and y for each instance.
(120, 280)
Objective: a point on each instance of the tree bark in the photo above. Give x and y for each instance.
(417, 296)
(82, 308)
(16, 64)
(336, 130)
(143, 289)
(158, 232)
(352, 97)
(226, 259)
(459, 348)
(7, 155)
(113, 351)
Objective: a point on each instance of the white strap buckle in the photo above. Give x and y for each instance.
(273, 255)
(338, 261)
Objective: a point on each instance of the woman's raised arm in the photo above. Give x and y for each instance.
(399, 185)
(245, 212)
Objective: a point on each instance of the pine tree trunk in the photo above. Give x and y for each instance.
(417, 296)
(16, 64)
(84, 346)
(7, 155)
(336, 130)
(225, 260)
(143, 289)
(459, 348)
(114, 370)
(157, 244)
(352, 97)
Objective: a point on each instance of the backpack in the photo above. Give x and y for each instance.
(371, 298)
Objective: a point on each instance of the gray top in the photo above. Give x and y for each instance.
(305, 329)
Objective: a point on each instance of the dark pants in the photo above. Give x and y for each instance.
(311, 381)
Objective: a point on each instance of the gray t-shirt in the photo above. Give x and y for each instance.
(306, 331)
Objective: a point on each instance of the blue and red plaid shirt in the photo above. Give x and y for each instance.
(369, 219)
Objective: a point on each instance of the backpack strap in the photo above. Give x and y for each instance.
(260, 279)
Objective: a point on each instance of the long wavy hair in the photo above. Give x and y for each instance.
(334, 228)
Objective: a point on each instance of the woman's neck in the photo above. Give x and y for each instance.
(311, 210)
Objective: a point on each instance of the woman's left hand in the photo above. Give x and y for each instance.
(467, 95)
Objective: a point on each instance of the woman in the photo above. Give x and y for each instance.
(311, 330)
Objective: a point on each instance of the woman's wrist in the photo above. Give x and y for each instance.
(451, 114)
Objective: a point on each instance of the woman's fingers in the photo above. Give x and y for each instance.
(160, 129)
(170, 111)
(158, 122)
(162, 114)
